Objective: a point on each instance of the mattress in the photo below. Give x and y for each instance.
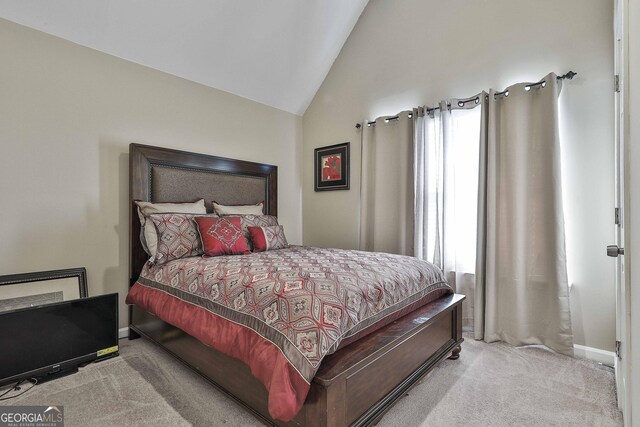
(281, 312)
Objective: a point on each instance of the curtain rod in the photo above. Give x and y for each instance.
(569, 76)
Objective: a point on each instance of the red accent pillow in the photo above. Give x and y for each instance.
(268, 238)
(221, 236)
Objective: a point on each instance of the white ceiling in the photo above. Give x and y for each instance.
(275, 52)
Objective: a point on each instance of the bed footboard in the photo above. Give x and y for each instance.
(354, 386)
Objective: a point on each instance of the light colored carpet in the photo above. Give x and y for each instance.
(490, 385)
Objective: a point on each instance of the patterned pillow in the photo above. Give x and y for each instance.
(221, 236)
(177, 237)
(247, 221)
(268, 238)
(148, 235)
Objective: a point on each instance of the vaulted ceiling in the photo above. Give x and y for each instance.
(276, 52)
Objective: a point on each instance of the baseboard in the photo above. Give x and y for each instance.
(601, 356)
(123, 332)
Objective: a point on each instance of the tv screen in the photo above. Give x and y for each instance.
(42, 340)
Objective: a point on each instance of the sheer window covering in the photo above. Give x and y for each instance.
(446, 147)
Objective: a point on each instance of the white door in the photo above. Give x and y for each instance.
(623, 312)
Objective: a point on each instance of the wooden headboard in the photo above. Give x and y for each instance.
(163, 175)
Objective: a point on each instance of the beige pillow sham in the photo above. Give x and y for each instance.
(256, 209)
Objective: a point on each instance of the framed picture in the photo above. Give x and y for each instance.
(332, 167)
(42, 287)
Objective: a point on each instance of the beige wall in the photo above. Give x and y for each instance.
(406, 53)
(67, 115)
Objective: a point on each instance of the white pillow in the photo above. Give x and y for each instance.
(150, 241)
(239, 209)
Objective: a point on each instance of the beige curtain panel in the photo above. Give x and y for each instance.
(386, 205)
(488, 211)
(483, 201)
(522, 293)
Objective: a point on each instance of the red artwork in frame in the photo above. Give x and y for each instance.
(332, 167)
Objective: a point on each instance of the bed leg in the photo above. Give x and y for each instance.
(455, 353)
(133, 335)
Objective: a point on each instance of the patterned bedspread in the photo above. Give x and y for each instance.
(300, 302)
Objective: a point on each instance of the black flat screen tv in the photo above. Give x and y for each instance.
(46, 341)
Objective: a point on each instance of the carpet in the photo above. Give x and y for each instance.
(490, 385)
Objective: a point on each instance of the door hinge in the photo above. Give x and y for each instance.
(617, 216)
(616, 83)
(618, 344)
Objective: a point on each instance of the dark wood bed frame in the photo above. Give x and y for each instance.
(354, 386)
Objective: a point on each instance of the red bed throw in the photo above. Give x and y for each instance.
(282, 311)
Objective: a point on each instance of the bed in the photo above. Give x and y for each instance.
(353, 385)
